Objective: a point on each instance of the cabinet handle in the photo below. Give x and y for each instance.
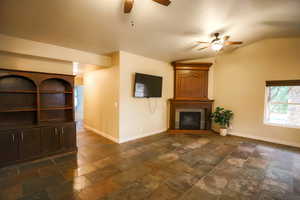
(13, 138)
(62, 130)
(22, 136)
(55, 131)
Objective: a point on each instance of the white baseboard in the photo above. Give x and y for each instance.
(122, 140)
(102, 133)
(127, 139)
(267, 139)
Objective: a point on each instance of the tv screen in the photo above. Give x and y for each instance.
(147, 86)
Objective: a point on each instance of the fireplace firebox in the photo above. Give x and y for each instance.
(190, 120)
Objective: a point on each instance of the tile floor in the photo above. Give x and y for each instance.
(207, 167)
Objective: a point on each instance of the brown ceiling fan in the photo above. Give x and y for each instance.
(218, 43)
(128, 4)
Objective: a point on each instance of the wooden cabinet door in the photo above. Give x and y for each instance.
(50, 140)
(68, 136)
(8, 146)
(30, 143)
(191, 84)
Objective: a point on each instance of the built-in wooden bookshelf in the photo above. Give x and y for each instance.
(56, 99)
(37, 108)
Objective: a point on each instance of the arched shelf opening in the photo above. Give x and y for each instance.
(56, 101)
(18, 104)
(55, 85)
(17, 84)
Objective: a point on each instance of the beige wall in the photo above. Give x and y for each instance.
(109, 106)
(141, 117)
(238, 82)
(43, 50)
(239, 85)
(101, 96)
(30, 63)
(21, 54)
(78, 80)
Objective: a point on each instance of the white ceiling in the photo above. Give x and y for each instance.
(164, 33)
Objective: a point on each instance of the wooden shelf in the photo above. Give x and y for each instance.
(54, 92)
(19, 91)
(31, 98)
(56, 108)
(20, 125)
(18, 110)
(52, 121)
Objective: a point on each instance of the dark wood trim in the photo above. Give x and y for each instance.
(17, 110)
(17, 70)
(43, 124)
(19, 91)
(199, 68)
(193, 64)
(191, 99)
(283, 83)
(38, 97)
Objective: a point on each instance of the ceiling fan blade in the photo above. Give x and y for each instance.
(128, 4)
(163, 2)
(233, 42)
(203, 42)
(202, 48)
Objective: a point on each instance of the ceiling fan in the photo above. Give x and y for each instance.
(218, 43)
(128, 4)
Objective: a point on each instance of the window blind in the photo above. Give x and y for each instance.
(283, 83)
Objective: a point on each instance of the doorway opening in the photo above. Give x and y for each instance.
(78, 104)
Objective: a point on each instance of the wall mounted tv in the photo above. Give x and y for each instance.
(146, 86)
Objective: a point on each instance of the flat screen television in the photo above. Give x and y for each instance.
(147, 86)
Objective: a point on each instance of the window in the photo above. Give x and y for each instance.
(283, 103)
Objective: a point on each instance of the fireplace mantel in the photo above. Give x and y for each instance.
(190, 92)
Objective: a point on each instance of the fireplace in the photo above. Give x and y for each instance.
(190, 119)
(190, 108)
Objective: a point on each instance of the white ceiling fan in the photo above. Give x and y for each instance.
(217, 44)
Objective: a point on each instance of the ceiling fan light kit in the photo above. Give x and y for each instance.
(217, 44)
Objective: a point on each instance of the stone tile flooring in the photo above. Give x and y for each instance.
(160, 167)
